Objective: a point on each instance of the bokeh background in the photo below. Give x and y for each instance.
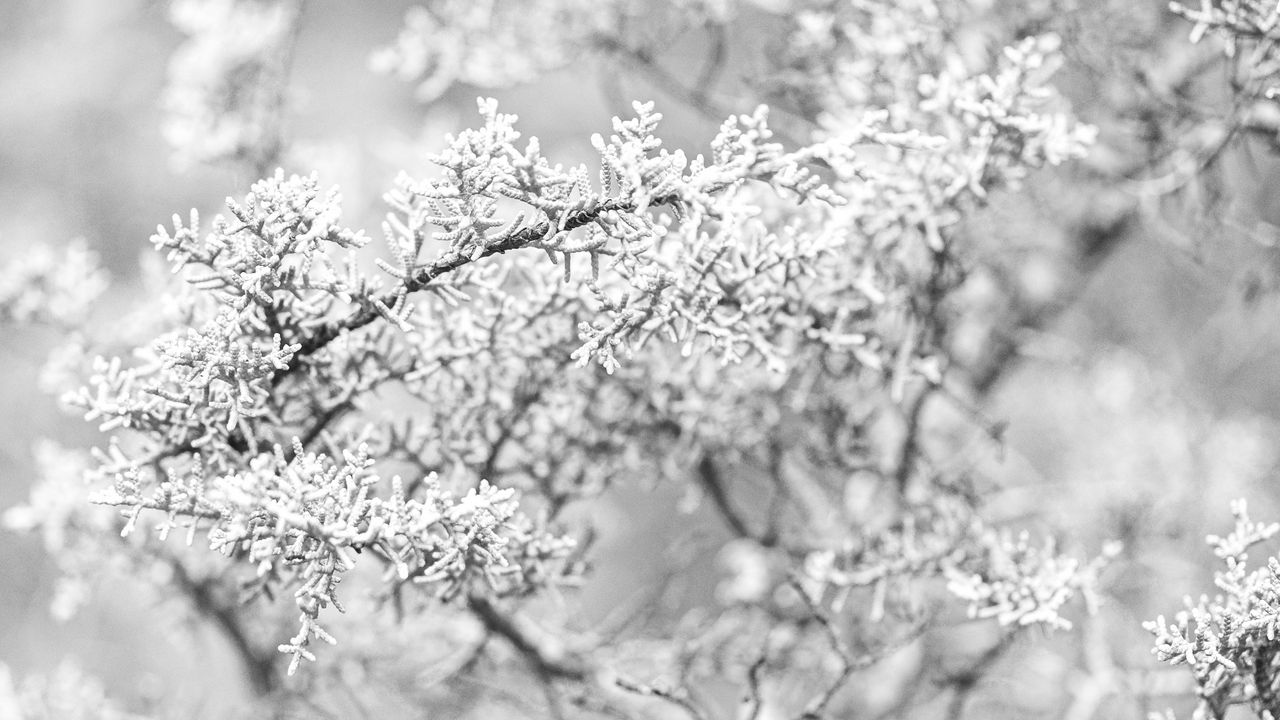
(1148, 403)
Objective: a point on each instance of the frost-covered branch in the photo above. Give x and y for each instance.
(1228, 640)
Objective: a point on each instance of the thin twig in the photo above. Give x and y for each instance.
(715, 61)
(755, 692)
(816, 707)
(910, 447)
(677, 698)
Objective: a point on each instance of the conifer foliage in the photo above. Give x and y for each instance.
(340, 450)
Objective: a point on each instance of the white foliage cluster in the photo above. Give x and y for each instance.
(200, 383)
(65, 694)
(306, 517)
(986, 131)
(51, 286)
(204, 397)
(223, 97)
(1229, 639)
(1024, 584)
(1000, 574)
(947, 131)
(649, 283)
(264, 412)
(1237, 21)
(70, 528)
(281, 238)
(488, 44)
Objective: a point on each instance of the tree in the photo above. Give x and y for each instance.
(402, 449)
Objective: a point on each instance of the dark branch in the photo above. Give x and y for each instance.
(260, 669)
(546, 661)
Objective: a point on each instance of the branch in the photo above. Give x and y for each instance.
(966, 680)
(546, 661)
(910, 448)
(816, 707)
(719, 52)
(755, 696)
(675, 698)
(1097, 240)
(261, 671)
(321, 424)
(713, 484)
(368, 312)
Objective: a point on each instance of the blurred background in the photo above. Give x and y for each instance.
(1146, 403)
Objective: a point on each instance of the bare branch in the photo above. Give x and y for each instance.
(679, 698)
